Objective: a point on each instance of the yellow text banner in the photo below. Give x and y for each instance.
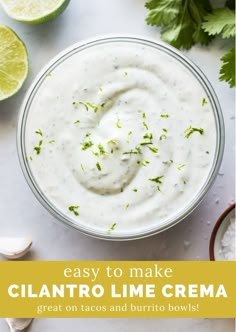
(117, 289)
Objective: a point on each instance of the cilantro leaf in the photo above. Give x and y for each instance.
(162, 11)
(220, 22)
(230, 4)
(180, 20)
(227, 71)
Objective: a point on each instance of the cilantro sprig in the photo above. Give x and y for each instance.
(180, 21)
(187, 22)
(38, 147)
(157, 180)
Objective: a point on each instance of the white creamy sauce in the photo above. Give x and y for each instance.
(228, 242)
(117, 149)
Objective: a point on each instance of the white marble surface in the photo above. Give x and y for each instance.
(21, 214)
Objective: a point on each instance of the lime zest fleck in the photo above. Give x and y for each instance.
(118, 125)
(127, 206)
(145, 125)
(180, 167)
(144, 115)
(135, 190)
(51, 141)
(190, 130)
(82, 167)
(77, 122)
(100, 89)
(126, 73)
(130, 133)
(112, 141)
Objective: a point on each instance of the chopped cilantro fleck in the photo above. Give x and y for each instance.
(77, 122)
(153, 149)
(39, 132)
(75, 103)
(128, 136)
(144, 115)
(101, 150)
(74, 210)
(118, 125)
(143, 163)
(98, 166)
(112, 228)
(94, 107)
(163, 135)
(165, 115)
(148, 136)
(180, 167)
(51, 141)
(204, 102)
(112, 141)
(127, 206)
(136, 150)
(38, 148)
(145, 125)
(157, 180)
(87, 105)
(190, 130)
(135, 190)
(87, 143)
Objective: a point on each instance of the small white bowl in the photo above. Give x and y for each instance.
(218, 233)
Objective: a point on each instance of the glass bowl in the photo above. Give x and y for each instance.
(34, 90)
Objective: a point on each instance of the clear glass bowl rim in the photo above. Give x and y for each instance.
(165, 48)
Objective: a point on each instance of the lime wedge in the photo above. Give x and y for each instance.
(34, 11)
(13, 63)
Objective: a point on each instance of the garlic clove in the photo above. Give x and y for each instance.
(18, 324)
(13, 248)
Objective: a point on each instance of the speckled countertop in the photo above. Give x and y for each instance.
(21, 214)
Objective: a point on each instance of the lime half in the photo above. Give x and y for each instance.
(34, 11)
(13, 63)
